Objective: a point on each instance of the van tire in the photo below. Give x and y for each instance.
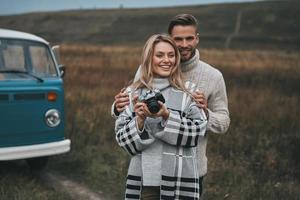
(37, 164)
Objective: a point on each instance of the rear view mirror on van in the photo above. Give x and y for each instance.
(56, 52)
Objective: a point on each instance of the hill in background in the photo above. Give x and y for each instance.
(268, 24)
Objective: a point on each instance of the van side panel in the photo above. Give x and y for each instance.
(23, 107)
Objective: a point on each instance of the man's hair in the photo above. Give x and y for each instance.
(183, 20)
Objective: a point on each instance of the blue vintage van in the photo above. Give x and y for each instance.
(31, 99)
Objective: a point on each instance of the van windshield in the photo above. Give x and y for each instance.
(26, 56)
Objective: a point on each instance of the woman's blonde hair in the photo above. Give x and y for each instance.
(146, 72)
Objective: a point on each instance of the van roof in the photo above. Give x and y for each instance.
(6, 33)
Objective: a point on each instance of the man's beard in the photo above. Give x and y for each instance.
(190, 51)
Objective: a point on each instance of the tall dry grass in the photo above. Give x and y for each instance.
(256, 159)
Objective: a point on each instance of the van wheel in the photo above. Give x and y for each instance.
(37, 164)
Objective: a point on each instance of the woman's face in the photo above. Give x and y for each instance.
(163, 60)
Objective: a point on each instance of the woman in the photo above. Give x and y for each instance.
(162, 143)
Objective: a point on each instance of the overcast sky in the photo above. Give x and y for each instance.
(8, 7)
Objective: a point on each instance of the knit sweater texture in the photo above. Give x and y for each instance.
(210, 81)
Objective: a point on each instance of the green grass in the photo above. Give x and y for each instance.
(18, 183)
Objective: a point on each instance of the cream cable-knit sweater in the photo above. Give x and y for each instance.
(210, 81)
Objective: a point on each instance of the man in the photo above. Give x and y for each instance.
(211, 90)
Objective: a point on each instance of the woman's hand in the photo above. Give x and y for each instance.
(142, 112)
(139, 109)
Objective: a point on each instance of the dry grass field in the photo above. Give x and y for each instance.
(258, 157)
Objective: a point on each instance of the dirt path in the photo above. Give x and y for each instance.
(236, 31)
(74, 189)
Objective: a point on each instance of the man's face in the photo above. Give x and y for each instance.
(186, 39)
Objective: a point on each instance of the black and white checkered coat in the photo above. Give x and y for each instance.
(180, 134)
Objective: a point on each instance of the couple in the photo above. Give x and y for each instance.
(168, 146)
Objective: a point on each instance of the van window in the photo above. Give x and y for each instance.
(16, 52)
(27, 56)
(41, 64)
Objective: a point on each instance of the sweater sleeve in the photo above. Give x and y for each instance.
(113, 112)
(181, 130)
(218, 114)
(128, 136)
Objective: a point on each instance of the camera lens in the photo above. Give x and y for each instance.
(153, 106)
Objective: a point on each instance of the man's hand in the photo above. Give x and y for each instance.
(201, 101)
(121, 101)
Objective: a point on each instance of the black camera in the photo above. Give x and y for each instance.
(151, 98)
